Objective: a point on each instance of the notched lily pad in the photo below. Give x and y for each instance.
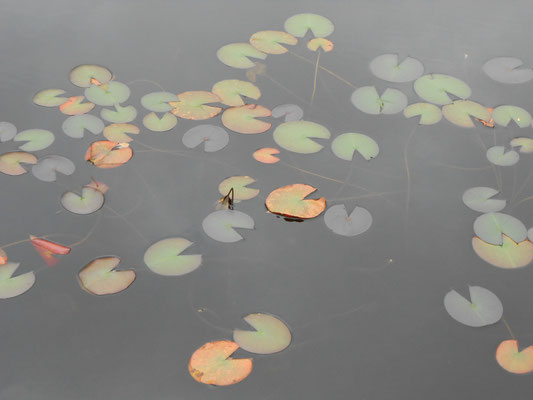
(165, 258)
(265, 155)
(100, 276)
(524, 144)
(219, 225)
(90, 74)
(387, 67)
(11, 286)
(108, 154)
(504, 114)
(513, 360)
(491, 227)
(320, 43)
(75, 125)
(49, 98)
(193, 105)
(75, 106)
(345, 145)
(460, 112)
(480, 199)
(507, 70)
(36, 139)
(271, 42)
(436, 88)
(296, 136)
(108, 94)
(237, 55)
(158, 101)
(119, 132)
(508, 255)
(238, 184)
(484, 307)
(120, 115)
(498, 155)
(299, 24)
(7, 131)
(10, 162)
(90, 200)
(213, 137)
(338, 220)
(244, 120)
(271, 335)
(167, 122)
(46, 168)
(291, 112)
(230, 91)
(290, 201)
(429, 113)
(368, 100)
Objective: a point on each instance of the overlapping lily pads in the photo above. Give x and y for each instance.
(484, 307)
(296, 136)
(436, 88)
(271, 42)
(388, 68)
(508, 255)
(75, 105)
(368, 100)
(338, 220)
(213, 137)
(164, 257)
(108, 94)
(491, 227)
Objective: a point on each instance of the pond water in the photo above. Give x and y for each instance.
(366, 312)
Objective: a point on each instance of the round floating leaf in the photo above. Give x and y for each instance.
(47, 167)
(512, 360)
(499, 156)
(75, 126)
(10, 162)
(7, 131)
(320, 43)
(108, 154)
(338, 220)
(118, 132)
(525, 144)
(460, 112)
(290, 201)
(91, 200)
(480, 199)
(119, 115)
(271, 335)
(269, 41)
(14, 286)
(158, 101)
(213, 137)
(504, 114)
(491, 227)
(165, 258)
(296, 136)
(237, 55)
(37, 139)
(155, 124)
(508, 255)
(238, 184)
(243, 119)
(299, 24)
(344, 146)
(219, 225)
(108, 94)
(49, 98)
(212, 364)
(192, 105)
(90, 74)
(291, 112)
(435, 88)
(484, 307)
(368, 100)
(429, 113)
(100, 276)
(386, 67)
(75, 106)
(265, 156)
(506, 70)
(230, 91)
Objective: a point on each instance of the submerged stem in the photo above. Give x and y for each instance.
(316, 76)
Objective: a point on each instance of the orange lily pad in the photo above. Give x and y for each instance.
(512, 360)
(108, 154)
(10, 162)
(265, 156)
(507, 255)
(243, 119)
(230, 91)
(322, 43)
(48, 249)
(269, 41)
(212, 364)
(75, 106)
(192, 105)
(290, 201)
(100, 276)
(3, 257)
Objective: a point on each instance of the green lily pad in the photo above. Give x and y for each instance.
(165, 258)
(75, 125)
(480, 199)
(37, 139)
(14, 286)
(90, 74)
(506, 70)
(109, 94)
(118, 132)
(344, 146)
(7, 131)
(386, 67)
(320, 43)
(237, 55)
(460, 112)
(91, 200)
(271, 335)
(220, 225)
(238, 184)
(158, 101)
(155, 124)
(498, 155)
(484, 307)
(299, 24)
(230, 91)
(120, 115)
(270, 42)
(436, 88)
(49, 98)
(525, 144)
(429, 113)
(368, 100)
(504, 114)
(296, 136)
(491, 227)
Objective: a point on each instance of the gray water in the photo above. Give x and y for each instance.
(366, 312)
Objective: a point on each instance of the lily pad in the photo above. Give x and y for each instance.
(513, 360)
(525, 144)
(243, 119)
(265, 155)
(491, 227)
(484, 307)
(338, 220)
(108, 154)
(108, 94)
(90, 74)
(368, 100)
(291, 112)
(7, 131)
(345, 145)
(10, 162)
(75, 125)
(14, 286)
(46, 168)
(118, 132)
(271, 335)
(213, 137)
(504, 114)
(48, 250)
(75, 106)
(212, 364)
(238, 184)
(230, 91)
(299, 24)
(100, 276)
(436, 88)
(387, 67)
(165, 258)
(49, 98)
(429, 113)
(507, 70)
(237, 55)
(192, 105)
(498, 155)
(91, 200)
(460, 112)
(120, 115)
(155, 124)
(219, 225)
(290, 201)
(320, 43)
(480, 199)
(270, 42)
(296, 136)
(37, 139)
(509, 255)
(158, 101)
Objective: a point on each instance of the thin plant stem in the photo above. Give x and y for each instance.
(316, 76)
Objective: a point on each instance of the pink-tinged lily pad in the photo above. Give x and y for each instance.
(100, 277)
(213, 137)
(524, 144)
(265, 155)
(108, 154)
(49, 98)
(158, 101)
(230, 91)
(387, 67)
(90, 74)
(508, 255)
(238, 184)
(320, 43)
(10, 162)
(507, 70)
(14, 286)
(499, 155)
(299, 24)
(165, 258)
(460, 113)
(155, 124)
(36, 139)
(90, 200)
(243, 119)
(7, 131)
(491, 227)
(290, 201)
(220, 225)
(47, 167)
(48, 250)
(291, 112)
(429, 113)
(484, 307)
(338, 220)
(237, 55)
(345, 145)
(193, 105)
(118, 132)
(296, 136)
(435, 88)
(512, 359)
(120, 115)
(368, 100)
(75, 125)
(108, 94)
(75, 106)
(270, 334)
(100, 186)
(3, 257)
(480, 199)
(270, 42)
(505, 114)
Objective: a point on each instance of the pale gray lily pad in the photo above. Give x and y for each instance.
(36, 139)
(219, 225)
(491, 226)
(387, 67)
(507, 70)
(530, 234)
(213, 137)
(429, 113)
(480, 199)
(484, 307)
(504, 114)
(345, 145)
(7, 131)
(90, 200)
(75, 125)
(436, 88)
(158, 101)
(291, 112)
(498, 155)
(119, 115)
(338, 220)
(368, 100)
(47, 167)
(109, 94)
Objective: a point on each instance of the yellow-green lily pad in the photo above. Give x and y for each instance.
(11, 286)
(165, 258)
(387, 67)
(345, 145)
(243, 119)
(90, 74)
(299, 24)
(460, 113)
(118, 132)
(270, 42)
(368, 100)
(192, 105)
(155, 124)
(429, 113)
(237, 55)
(75, 106)
(120, 115)
(37, 139)
(504, 114)
(270, 334)
(10, 162)
(436, 88)
(230, 91)
(525, 144)
(296, 136)
(499, 155)
(108, 94)
(238, 184)
(158, 101)
(49, 98)
(75, 125)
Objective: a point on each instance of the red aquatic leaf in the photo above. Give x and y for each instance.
(48, 249)
(108, 154)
